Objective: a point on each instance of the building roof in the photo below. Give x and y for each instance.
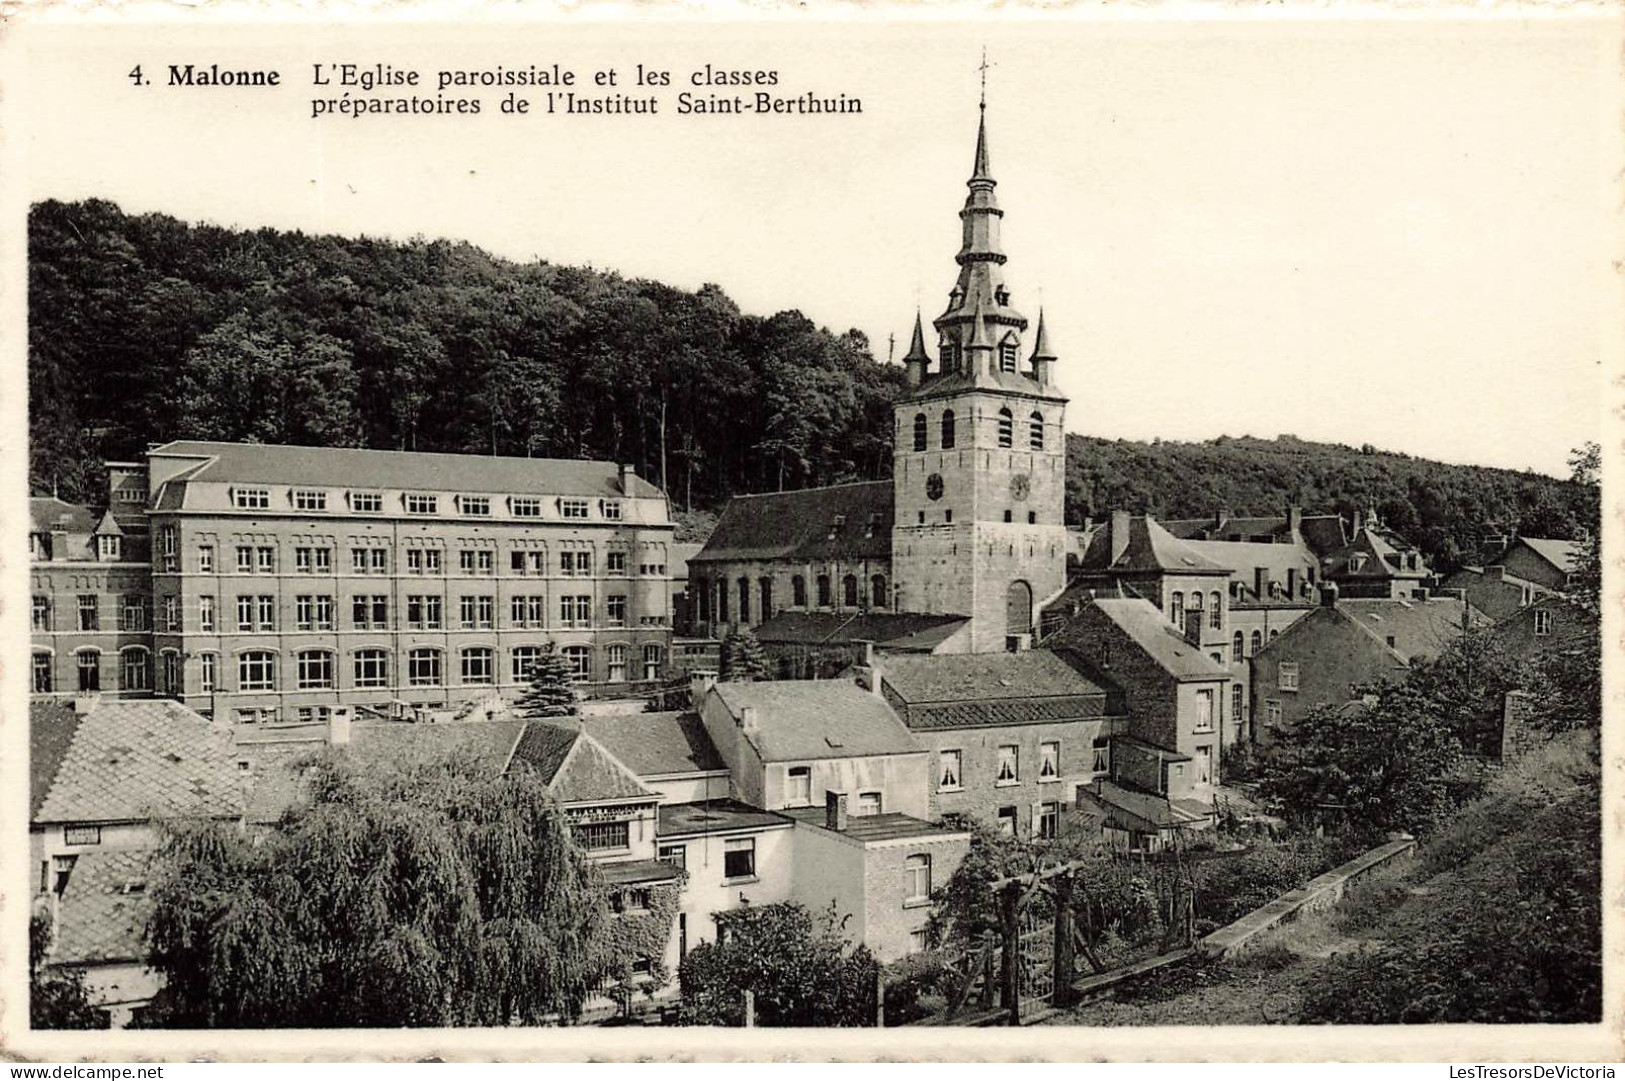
(975, 677)
(48, 512)
(131, 761)
(803, 525)
(871, 829)
(1421, 628)
(1561, 554)
(817, 718)
(102, 915)
(656, 744)
(894, 630)
(714, 816)
(1386, 556)
(1140, 621)
(1334, 617)
(1323, 533)
(638, 872)
(1147, 548)
(576, 767)
(1144, 809)
(267, 463)
(51, 728)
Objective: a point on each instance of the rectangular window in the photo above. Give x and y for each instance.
(477, 612)
(371, 668)
(525, 507)
(1049, 762)
(245, 613)
(172, 673)
(615, 658)
(88, 665)
(1009, 765)
(654, 657)
(477, 505)
(251, 498)
(265, 560)
(256, 671)
(205, 558)
(573, 508)
(172, 613)
(302, 611)
(133, 670)
(615, 609)
(307, 499)
(82, 835)
(42, 673)
(1543, 622)
(367, 502)
(949, 777)
(169, 547)
(529, 611)
(575, 611)
(206, 675)
(580, 658)
(739, 858)
(917, 879)
(610, 509)
(1049, 821)
(369, 560)
(1236, 703)
(421, 504)
(109, 547)
(265, 612)
(1103, 754)
(1288, 675)
(89, 612)
(1272, 712)
(315, 670)
(245, 559)
(676, 855)
(868, 804)
(41, 620)
(477, 666)
(476, 561)
(615, 563)
(133, 614)
(1204, 711)
(1007, 821)
(798, 787)
(423, 668)
(523, 658)
(423, 612)
(603, 836)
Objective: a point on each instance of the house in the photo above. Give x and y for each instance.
(1376, 562)
(817, 645)
(1491, 590)
(1545, 562)
(1551, 622)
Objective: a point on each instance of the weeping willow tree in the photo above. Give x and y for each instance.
(421, 889)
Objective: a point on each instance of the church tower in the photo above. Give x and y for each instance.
(979, 456)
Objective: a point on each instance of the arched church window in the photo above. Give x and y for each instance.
(919, 431)
(1007, 427)
(1007, 354)
(849, 591)
(823, 591)
(1035, 431)
(877, 591)
(947, 429)
(798, 591)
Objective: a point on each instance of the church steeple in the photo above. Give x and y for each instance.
(1043, 358)
(917, 360)
(981, 170)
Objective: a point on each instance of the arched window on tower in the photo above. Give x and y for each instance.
(877, 591)
(947, 429)
(798, 591)
(1007, 354)
(1035, 431)
(1007, 428)
(919, 431)
(823, 591)
(849, 591)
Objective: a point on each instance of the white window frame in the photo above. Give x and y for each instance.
(957, 767)
(798, 786)
(917, 879)
(423, 503)
(256, 670)
(251, 498)
(1049, 762)
(1014, 763)
(309, 499)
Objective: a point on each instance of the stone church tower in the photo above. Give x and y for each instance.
(979, 459)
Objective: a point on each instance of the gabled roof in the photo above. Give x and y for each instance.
(1147, 549)
(817, 718)
(656, 744)
(102, 917)
(1383, 559)
(1421, 628)
(108, 526)
(132, 760)
(1130, 808)
(48, 512)
(976, 677)
(269, 463)
(576, 767)
(803, 525)
(1561, 554)
(51, 728)
(1243, 557)
(1334, 618)
(1142, 623)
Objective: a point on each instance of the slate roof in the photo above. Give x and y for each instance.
(102, 916)
(51, 728)
(939, 384)
(890, 629)
(1145, 809)
(801, 525)
(869, 829)
(1141, 622)
(256, 463)
(714, 816)
(975, 677)
(818, 718)
(1323, 533)
(48, 512)
(1420, 628)
(131, 760)
(1384, 558)
(1244, 557)
(656, 744)
(1562, 554)
(1150, 549)
(576, 767)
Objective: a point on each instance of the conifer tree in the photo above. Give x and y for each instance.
(552, 690)
(743, 658)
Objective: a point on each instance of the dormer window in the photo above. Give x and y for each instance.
(422, 504)
(366, 502)
(109, 547)
(610, 509)
(36, 546)
(573, 508)
(306, 499)
(478, 506)
(251, 498)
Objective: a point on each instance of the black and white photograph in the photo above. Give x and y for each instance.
(714, 524)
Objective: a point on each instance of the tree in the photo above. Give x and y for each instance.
(417, 889)
(57, 997)
(801, 971)
(743, 658)
(552, 690)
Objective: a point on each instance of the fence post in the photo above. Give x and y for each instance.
(1063, 967)
(987, 970)
(750, 1009)
(880, 999)
(1010, 904)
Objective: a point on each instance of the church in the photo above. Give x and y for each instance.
(963, 546)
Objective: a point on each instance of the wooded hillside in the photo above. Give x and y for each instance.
(144, 328)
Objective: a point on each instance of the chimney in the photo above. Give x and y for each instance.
(1294, 519)
(1193, 627)
(699, 685)
(338, 726)
(1328, 594)
(59, 545)
(627, 473)
(835, 811)
(1119, 534)
(1261, 581)
(1220, 517)
(868, 672)
(84, 703)
(748, 721)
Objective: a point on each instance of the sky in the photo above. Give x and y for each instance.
(1394, 233)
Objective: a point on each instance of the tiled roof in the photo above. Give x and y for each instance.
(678, 553)
(1140, 620)
(103, 913)
(576, 767)
(873, 828)
(48, 513)
(1020, 711)
(1319, 617)
(51, 728)
(1384, 558)
(820, 718)
(133, 760)
(545, 747)
(1562, 554)
(801, 628)
(801, 525)
(714, 816)
(491, 742)
(1148, 549)
(828, 628)
(256, 463)
(976, 677)
(1243, 558)
(656, 744)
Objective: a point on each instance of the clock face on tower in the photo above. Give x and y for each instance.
(1020, 485)
(933, 486)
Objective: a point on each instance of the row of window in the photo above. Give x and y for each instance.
(370, 612)
(427, 503)
(1006, 430)
(262, 559)
(134, 612)
(951, 764)
(852, 596)
(1177, 608)
(134, 670)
